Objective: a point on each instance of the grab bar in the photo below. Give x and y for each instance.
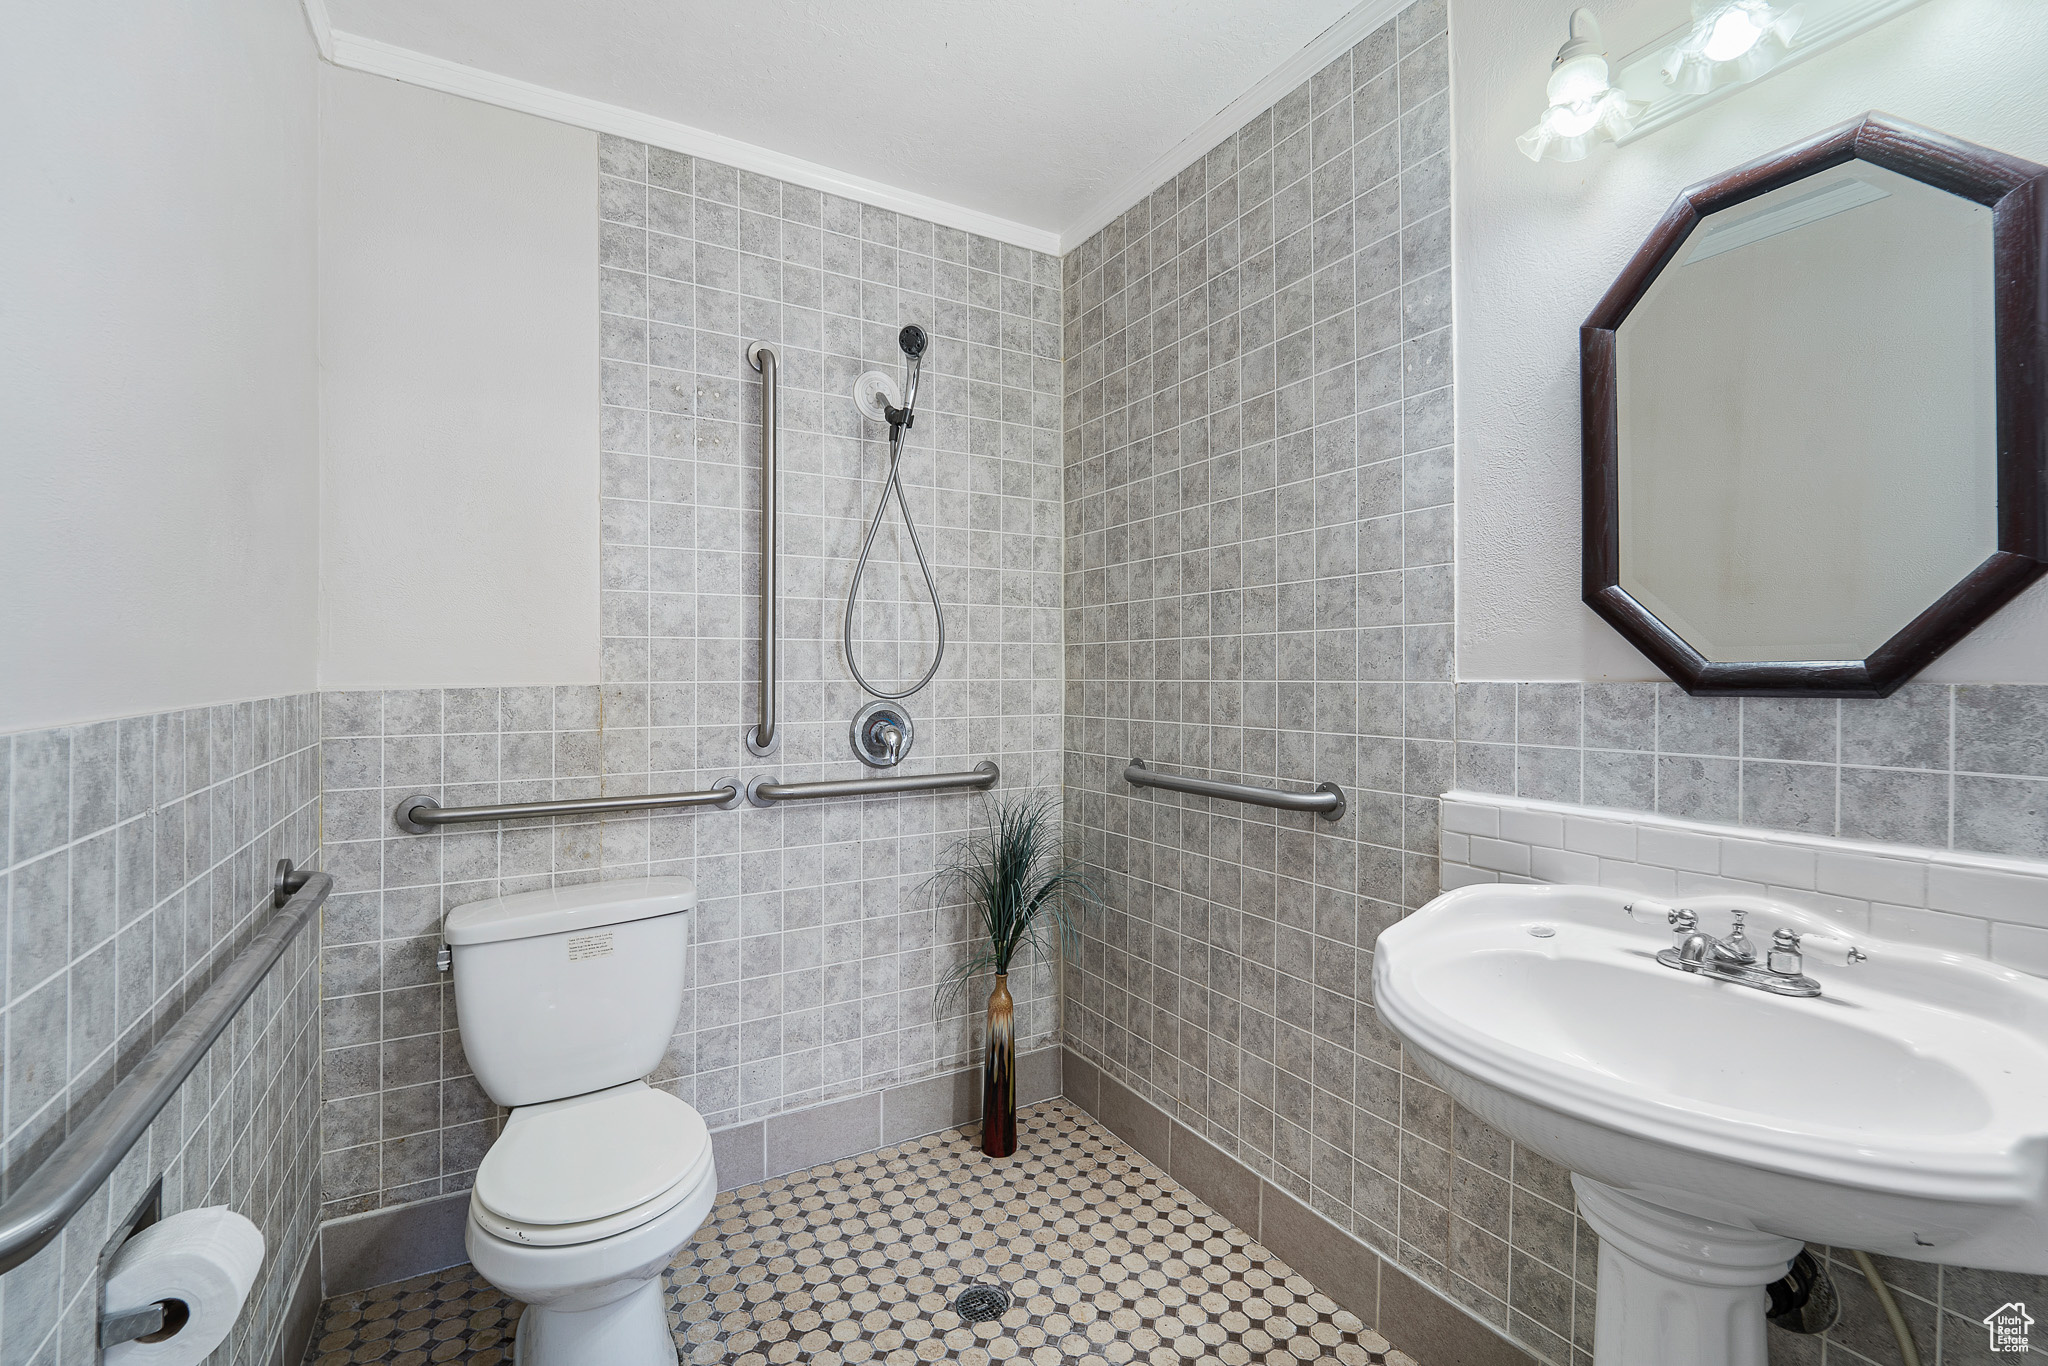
(765, 791)
(761, 738)
(1326, 801)
(419, 814)
(44, 1200)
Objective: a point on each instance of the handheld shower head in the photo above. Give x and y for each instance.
(913, 341)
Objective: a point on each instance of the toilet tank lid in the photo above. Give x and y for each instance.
(562, 910)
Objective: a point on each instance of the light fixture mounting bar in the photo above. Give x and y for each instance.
(1823, 24)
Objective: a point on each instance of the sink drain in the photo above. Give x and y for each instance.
(981, 1303)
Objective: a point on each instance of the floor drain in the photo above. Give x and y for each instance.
(981, 1303)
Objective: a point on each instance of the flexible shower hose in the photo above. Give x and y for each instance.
(893, 482)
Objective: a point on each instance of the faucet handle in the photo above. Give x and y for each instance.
(1787, 946)
(1647, 911)
(1832, 949)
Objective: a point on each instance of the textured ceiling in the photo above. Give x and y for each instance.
(1032, 110)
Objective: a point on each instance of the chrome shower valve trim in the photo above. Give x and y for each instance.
(881, 734)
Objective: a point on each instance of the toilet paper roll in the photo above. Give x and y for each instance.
(205, 1259)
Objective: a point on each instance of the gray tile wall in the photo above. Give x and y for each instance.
(826, 941)
(1258, 433)
(818, 941)
(138, 856)
(1257, 436)
(1961, 766)
(402, 1117)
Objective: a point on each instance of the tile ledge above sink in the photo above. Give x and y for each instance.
(1985, 905)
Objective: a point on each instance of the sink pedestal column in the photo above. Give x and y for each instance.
(1676, 1289)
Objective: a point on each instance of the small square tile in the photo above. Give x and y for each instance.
(1547, 714)
(1909, 729)
(1697, 725)
(1789, 796)
(1790, 728)
(2002, 729)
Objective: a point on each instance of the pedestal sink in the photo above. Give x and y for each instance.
(1712, 1127)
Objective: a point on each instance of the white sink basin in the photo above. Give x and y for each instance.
(1710, 1127)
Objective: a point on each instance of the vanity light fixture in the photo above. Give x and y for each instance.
(1727, 46)
(1584, 105)
(1730, 40)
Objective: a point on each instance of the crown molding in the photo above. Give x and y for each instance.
(1325, 48)
(435, 73)
(321, 25)
(358, 53)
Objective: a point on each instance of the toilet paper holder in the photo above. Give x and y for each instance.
(130, 1324)
(165, 1316)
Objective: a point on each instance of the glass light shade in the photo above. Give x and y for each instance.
(1583, 109)
(1578, 79)
(1734, 33)
(1566, 132)
(1730, 41)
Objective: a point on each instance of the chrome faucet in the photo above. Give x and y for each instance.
(1734, 959)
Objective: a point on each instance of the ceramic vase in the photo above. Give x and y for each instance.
(999, 1074)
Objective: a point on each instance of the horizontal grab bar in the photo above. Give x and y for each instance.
(1326, 801)
(420, 814)
(44, 1200)
(765, 791)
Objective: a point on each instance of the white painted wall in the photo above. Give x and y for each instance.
(458, 391)
(1535, 246)
(157, 392)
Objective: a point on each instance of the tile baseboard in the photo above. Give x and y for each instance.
(302, 1312)
(391, 1244)
(839, 1129)
(1412, 1315)
(402, 1241)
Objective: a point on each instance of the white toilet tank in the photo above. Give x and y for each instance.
(571, 989)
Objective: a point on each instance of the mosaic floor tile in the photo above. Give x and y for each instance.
(1107, 1260)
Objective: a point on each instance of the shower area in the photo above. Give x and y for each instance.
(817, 945)
(701, 264)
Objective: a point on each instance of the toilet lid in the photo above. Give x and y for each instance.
(589, 1157)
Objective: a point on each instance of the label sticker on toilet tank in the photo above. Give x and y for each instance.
(582, 946)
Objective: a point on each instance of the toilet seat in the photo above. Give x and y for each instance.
(590, 1167)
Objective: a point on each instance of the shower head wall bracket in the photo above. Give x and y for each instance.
(875, 393)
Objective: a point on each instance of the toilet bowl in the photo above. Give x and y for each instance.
(566, 998)
(561, 1218)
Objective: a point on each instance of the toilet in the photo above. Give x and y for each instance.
(566, 999)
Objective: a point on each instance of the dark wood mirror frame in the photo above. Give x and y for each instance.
(2016, 191)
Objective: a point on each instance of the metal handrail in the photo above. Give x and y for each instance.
(420, 814)
(761, 738)
(44, 1200)
(1326, 801)
(766, 791)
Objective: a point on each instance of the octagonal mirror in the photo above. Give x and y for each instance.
(1814, 415)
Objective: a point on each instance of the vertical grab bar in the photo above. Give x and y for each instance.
(761, 737)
